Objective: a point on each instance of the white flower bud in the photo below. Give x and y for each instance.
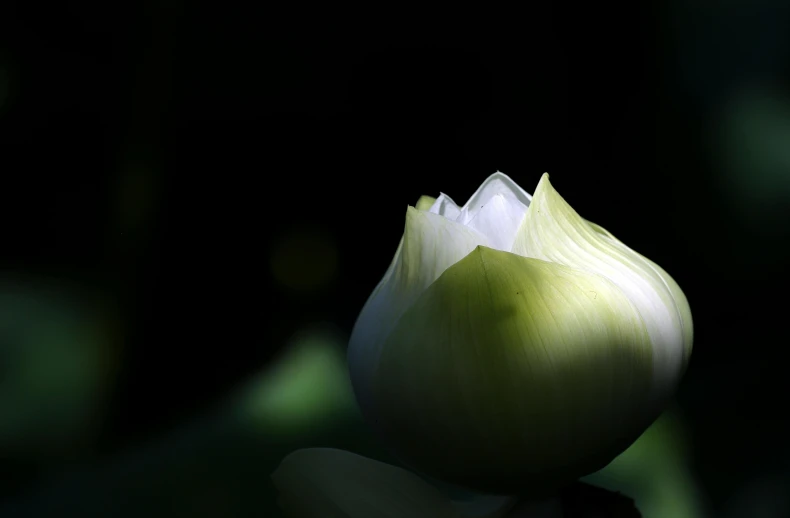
(513, 346)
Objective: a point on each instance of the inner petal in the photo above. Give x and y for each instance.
(499, 220)
(497, 183)
(445, 206)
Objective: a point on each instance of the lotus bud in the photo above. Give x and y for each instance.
(513, 346)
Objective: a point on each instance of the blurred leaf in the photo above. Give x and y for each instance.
(220, 465)
(655, 473)
(751, 148)
(56, 362)
(325, 482)
(305, 389)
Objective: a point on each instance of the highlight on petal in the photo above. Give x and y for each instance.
(331, 483)
(513, 374)
(553, 231)
(445, 206)
(497, 183)
(681, 302)
(499, 220)
(431, 243)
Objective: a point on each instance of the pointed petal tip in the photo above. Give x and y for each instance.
(543, 183)
(485, 253)
(482, 249)
(425, 203)
(499, 174)
(547, 197)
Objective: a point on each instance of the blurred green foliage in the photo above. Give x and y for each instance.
(751, 148)
(656, 472)
(220, 465)
(306, 388)
(56, 357)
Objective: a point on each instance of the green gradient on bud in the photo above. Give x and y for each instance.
(554, 232)
(512, 346)
(511, 372)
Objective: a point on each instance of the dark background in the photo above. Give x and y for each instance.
(203, 182)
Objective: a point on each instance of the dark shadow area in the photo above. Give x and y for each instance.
(189, 193)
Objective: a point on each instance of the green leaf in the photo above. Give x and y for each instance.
(330, 483)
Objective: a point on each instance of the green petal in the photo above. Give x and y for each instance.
(330, 483)
(554, 232)
(512, 374)
(431, 243)
(681, 302)
(425, 203)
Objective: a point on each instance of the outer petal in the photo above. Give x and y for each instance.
(431, 243)
(497, 183)
(425, 203)
(553, 231)
(681, 302)
(514, 374)
(329, 483)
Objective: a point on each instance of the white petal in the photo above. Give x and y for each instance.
(445, 206)
(497, 183)
(553, 231)
(431, 243)
(499, 220)
(325, 482)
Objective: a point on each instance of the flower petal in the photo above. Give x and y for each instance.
(497, 183)
(512, 374)
(425, 202)
(499, 220)
(681, 302)
(431, 244)
(330, 483)
(553, 231)
(445, 206)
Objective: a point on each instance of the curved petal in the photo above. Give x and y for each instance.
(431, 244)
(330, 483)
(553, 231)
(425, 202)
(499, 220)
(681, 302)
(497, 183)
(445, 206)
(514, 374)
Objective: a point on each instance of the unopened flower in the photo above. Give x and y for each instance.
(513, 346)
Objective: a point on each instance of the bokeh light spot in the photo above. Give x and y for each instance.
(308, 386)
